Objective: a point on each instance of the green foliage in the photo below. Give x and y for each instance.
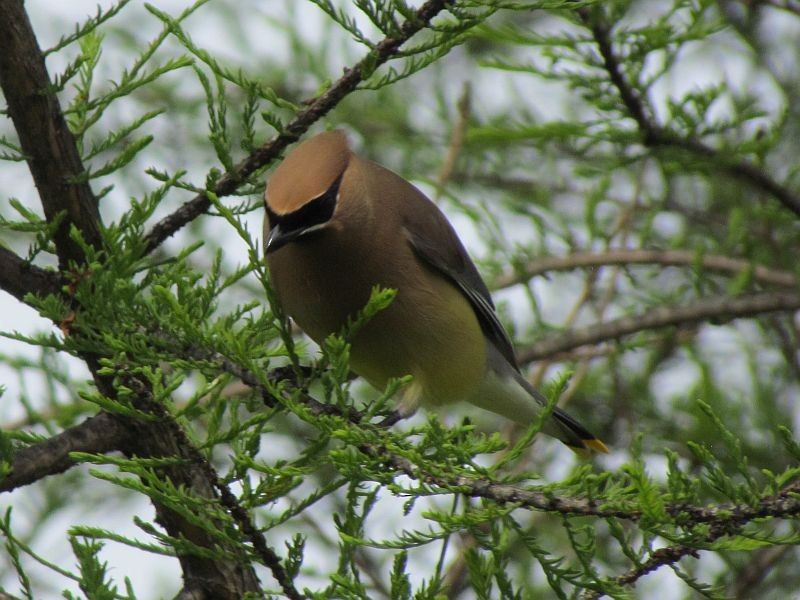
(93, 573)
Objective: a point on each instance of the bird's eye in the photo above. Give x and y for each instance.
(316, 212)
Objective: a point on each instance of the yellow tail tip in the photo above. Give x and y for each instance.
(596, 446)
(590, 447)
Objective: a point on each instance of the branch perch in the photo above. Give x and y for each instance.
(667, 258)
(705, 309)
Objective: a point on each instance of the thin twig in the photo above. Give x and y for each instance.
(792, 6)
(705, 309)
(665, 258)
(668, 555)
(656, 136)
(456, 138)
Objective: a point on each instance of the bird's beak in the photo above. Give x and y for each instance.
(278, 238)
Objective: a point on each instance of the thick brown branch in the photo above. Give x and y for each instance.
(18, 278)
(205, 576)
(317, 108)
(666, 258)
(655, 136)
(231, 579)
(97, 435)
(47, 142)
(105, 433)
(705, 309)
(55, 164)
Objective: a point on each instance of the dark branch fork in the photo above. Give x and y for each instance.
(656, 136)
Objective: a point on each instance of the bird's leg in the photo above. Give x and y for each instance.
(410, 399)
(406, 407)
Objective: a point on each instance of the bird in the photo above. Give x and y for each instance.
(337, 226)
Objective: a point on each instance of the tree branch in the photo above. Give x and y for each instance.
(18, 277)
(106, 433)
(97, 435)
(667, 555)
(704, 309)
(722, 520)
(317, 108)
(666, 258)
(47, 456)
(47, 142)
(208, 577)
(785, 503)
(55, 164)
(655, 136)
(232, 578)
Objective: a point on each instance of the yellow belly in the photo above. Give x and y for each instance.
(441, 346)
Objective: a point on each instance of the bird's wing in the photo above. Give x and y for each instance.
(435, 243)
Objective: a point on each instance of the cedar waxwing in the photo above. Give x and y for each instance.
(338, 225)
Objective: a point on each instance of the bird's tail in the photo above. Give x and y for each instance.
(506, 392)
(575, 435)
(566, 428)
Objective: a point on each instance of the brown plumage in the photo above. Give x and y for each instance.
(338, 225)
